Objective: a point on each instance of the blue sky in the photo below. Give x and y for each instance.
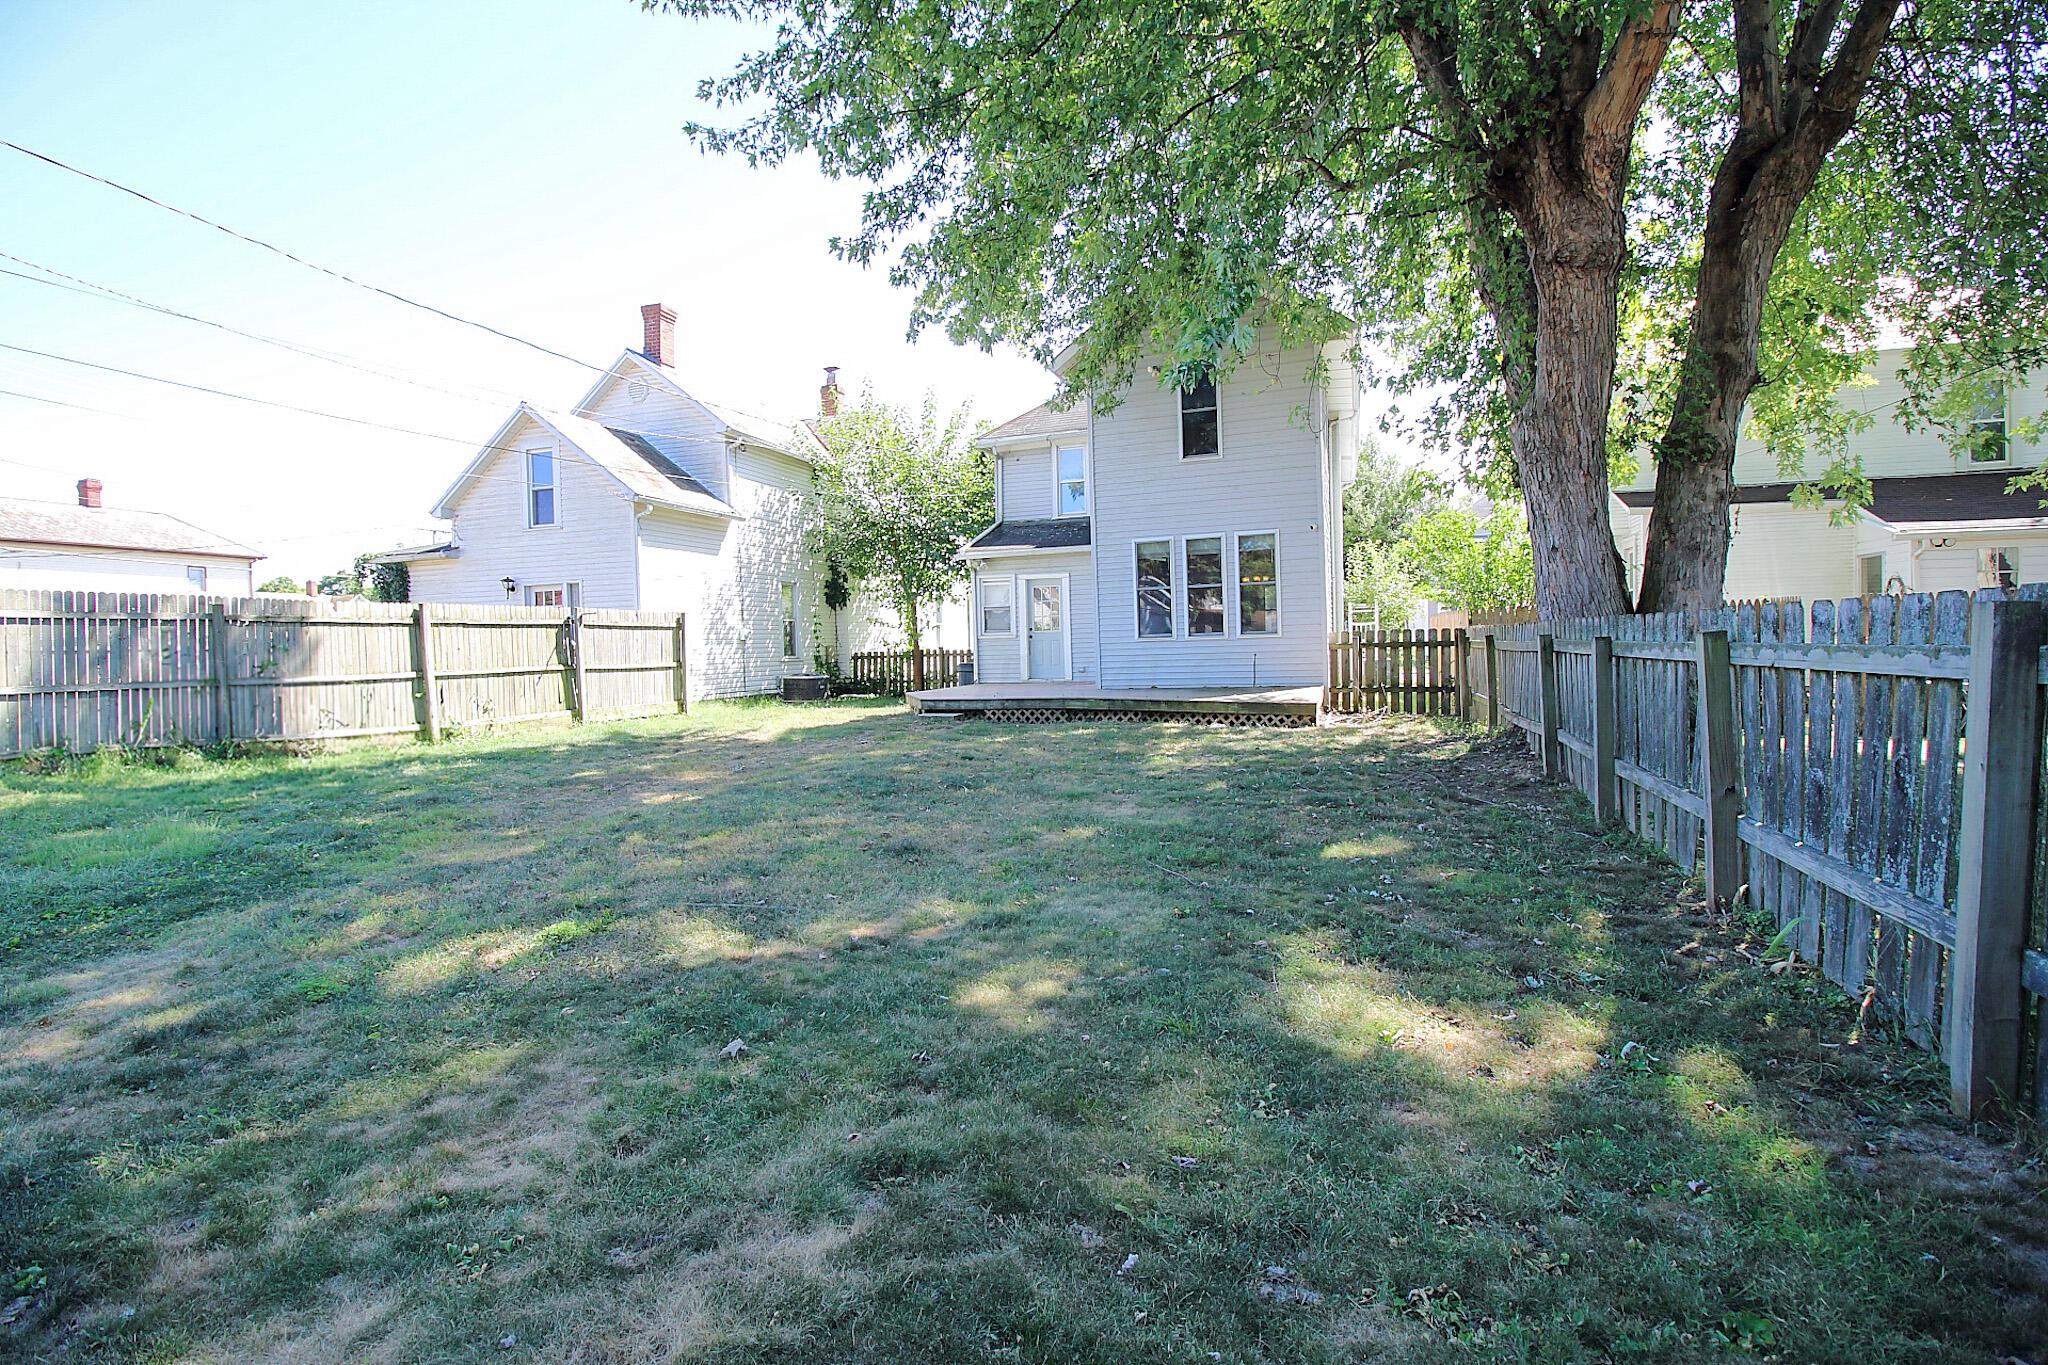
(517, 162)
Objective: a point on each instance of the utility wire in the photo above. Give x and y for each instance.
(298, 260)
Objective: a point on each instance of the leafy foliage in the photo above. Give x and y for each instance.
(380, 582)
(901, 493)
(1379, 506)
(283, 582)
(1470, 564)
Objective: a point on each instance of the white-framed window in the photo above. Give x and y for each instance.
(1155, 589)
(1998, 567)
(789, 620)
(543, 501)
(1070, 474)
(1870, 575)
(1988, 444)
(1201, 559)
(548, 595)
(1258, 583)
(195, 574)
(1201, 435)
(997, 605)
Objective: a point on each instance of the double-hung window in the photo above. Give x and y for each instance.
(789, 620)
(1155, 589)
(1258, 584)
(1071, 466)
(541, 502)
(998, 606)
(1998, 568)
(1987, 427)
(1202, 574)
(1200, 434)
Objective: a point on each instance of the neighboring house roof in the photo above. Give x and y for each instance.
(1910, 500)
(1039, 423)
(439, 549)
(111, 528)
(633, 460)
(1034, 533)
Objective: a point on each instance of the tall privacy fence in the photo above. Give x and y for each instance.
(888, 672)
(81, 670)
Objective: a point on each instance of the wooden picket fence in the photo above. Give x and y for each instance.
(83, 670)
(887, 671)
(1868, 773)
(1418, 671)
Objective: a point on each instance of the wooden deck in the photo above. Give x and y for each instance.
(1067, 700)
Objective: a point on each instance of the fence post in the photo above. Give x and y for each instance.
(1492, 683)
(580, 701)
(682, 667)
(1717, 767)
(430, 691)
(2001, 756)
(224, 702)
(1461, 660)
(1546, 664)
(1606, 786)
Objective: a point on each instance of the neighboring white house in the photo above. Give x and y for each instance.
(88, 546)
(1937, 519)
(1185, 538)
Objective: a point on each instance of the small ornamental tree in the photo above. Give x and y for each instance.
(377, 581)
(282, 583)
(900, 494)
(1470, 564)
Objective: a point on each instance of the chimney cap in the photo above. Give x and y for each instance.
(832, 375)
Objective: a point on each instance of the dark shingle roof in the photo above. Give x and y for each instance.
(1978, 496)
(1042, 420)
(1038, 533)
(668, 468)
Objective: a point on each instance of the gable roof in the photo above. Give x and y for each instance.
(1040, 423)
(1908, 500)
(792, 441)
(111, 528)
(632, 460)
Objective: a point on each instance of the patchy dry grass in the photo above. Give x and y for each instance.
(405, 1054)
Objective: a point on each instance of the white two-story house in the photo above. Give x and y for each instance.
(1938, 519)
(1179, 538)
(642, 496)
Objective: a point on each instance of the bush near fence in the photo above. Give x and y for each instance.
(886, 672)
(84, 670)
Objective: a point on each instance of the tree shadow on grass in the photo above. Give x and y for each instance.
(1016, 1004)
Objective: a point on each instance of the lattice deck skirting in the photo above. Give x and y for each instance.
(1047, 715)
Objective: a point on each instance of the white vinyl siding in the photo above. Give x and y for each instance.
(999, 657)
(1027, 484)
(1271, 478)
(33, 564)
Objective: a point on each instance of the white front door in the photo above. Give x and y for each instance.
(1045, 628)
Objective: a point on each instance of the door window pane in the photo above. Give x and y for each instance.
(1045, 606)
(1204, 577)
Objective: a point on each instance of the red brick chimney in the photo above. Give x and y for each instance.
(658, 333)
(828, 396)
(88, 492)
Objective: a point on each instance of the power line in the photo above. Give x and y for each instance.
(299, 260)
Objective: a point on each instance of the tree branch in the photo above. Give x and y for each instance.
(1608, 115)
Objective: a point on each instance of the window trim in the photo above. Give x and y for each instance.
(553, 453)
(984, 580)
(2011, 555)
(1087, 482)
(1172, 588)
(1236, 604)
(1223, 567)
(198, 585)
(1180, 424)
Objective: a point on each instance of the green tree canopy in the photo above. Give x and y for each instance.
(901, 492)
(1499, 196)
(1470, 564)
(282, 583)
(1379, 505)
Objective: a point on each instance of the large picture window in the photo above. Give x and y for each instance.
(1200, 434)
(1202, 573)
(1072, 465)
(1155, 589)
(541, 506)
(1258, 584)
(998, 606)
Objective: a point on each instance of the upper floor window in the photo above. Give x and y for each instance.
(541, 508)
(1200, 435)
(1987, 427)
(1071, 469)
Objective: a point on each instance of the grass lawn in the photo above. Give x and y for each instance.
(1066, 1043)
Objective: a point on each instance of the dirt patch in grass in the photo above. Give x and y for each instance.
(1351, 1044)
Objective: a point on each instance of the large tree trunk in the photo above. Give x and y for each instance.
(1791, 115)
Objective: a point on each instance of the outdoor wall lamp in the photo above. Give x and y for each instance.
(510, 584)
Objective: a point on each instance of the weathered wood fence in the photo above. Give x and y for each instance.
(1869, 773)
(81, 670)
(888, 672)
(1419, 671)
